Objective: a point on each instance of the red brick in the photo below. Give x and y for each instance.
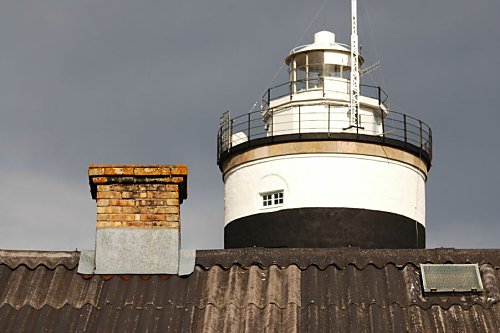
(172, 209)
(153, 217)
(134, 224)
(118, 187)
(172, 217)
(109, 195)
(103, 188)
(143, 203)
(102, 217)
(99, 180)
(152, 171)
(109, 210)
(179, 170)
(95, 171)
(122, 217)
(166, 195)
(177, 179)
(119, 171)
(109, 224)
(173, 202)
(102, 202)
(126, 202)
(130, 209)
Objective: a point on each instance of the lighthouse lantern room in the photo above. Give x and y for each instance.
(324, 162)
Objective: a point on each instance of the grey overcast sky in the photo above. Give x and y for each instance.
(122, 81)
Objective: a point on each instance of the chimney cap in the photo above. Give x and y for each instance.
(102, 174)
(138, 169)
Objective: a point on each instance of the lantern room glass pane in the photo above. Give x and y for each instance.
(338, 71)
(301, 78)
(332, 70)
(315, 76)
(315, 57)
(329, 70)
(300, 60)
(346, 72)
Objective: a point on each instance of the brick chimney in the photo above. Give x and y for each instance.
(138, 223)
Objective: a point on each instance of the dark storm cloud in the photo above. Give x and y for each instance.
(113, 81)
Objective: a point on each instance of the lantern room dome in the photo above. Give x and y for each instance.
(323, 41)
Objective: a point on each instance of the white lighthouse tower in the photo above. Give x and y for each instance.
(324, 162)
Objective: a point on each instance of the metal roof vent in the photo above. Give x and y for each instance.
(439, 278)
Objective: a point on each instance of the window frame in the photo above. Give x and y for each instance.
(272, 199)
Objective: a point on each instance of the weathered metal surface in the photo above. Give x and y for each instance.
(33, 259)
(137, 251)
(86, 265)
(343, 257)
(251, 319)
(451, 278)
(249, 290)
(190, 318)
(187, 261)
(397, 319)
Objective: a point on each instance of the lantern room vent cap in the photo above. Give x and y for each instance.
(323, 40)
(324, 37)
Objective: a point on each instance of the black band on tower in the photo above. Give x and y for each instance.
(325, 227)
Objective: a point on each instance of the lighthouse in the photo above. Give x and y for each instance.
(324, 162)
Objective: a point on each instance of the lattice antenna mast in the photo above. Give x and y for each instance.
(354, 65)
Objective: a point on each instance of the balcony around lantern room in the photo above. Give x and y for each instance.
(315, 109)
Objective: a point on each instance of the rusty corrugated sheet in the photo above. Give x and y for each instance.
(249, 290)
(189, 318)
(219, 287)
(384, 286)
(397, 319)
(251, 319)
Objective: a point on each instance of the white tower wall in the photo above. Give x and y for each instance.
(326, 180)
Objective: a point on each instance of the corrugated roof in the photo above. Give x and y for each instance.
(250, 290)
(33, 259)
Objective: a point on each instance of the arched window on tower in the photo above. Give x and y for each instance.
(272, 190)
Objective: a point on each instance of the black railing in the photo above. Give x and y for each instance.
(330, 122)
(293, 89)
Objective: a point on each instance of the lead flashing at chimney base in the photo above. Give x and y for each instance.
(138, 217)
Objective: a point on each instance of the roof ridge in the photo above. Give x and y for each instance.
(147, 305)
(341, 258)
(65, 304)
(392, 304)
(207, 304)
(36, 253)
(305, 267)
(32, 267)
(32, 258)
(454, 304)
(347, 307)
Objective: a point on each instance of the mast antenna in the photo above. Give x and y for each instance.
(354, 66)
